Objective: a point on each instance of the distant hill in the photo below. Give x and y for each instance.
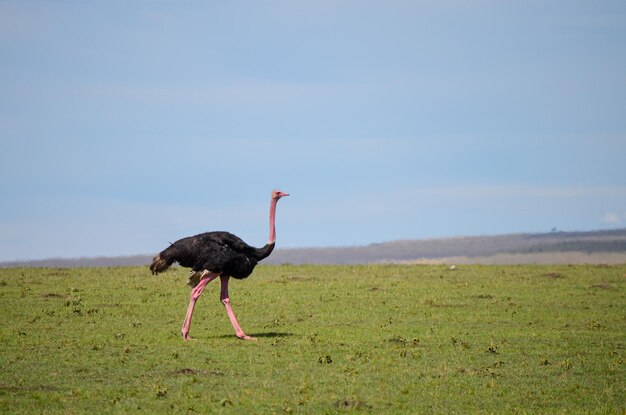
(117, 261)
(595, 247)
(604, 247)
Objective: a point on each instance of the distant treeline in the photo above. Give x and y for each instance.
(595, 242)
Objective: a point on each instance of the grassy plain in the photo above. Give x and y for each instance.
(331, 339)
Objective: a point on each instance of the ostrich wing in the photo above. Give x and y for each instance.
(226, 238)
(225, 254)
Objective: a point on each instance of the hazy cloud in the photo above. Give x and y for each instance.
(611, 218)
(526, 191)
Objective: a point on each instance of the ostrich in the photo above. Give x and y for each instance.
(216, 254)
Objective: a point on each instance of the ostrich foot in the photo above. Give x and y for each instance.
(246, 337)
(187, 337)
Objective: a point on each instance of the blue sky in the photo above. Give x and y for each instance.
(126, 125)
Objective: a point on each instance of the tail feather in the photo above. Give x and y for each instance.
(159, 264)
(194, 278)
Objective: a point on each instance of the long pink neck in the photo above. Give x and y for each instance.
(273, 221)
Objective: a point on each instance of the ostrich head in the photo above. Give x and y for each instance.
(277, 194)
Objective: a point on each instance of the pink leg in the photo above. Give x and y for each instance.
(207, 277)
(229, 310)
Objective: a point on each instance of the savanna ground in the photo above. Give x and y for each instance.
(331, 339)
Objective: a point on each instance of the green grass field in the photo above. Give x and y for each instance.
(331, 339)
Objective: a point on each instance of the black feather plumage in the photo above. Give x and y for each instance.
(219, 252)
